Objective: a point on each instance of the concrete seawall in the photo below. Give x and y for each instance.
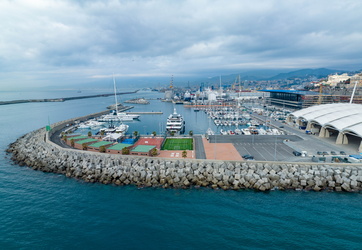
(36, 151)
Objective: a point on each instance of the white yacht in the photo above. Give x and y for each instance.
(175, 123)
(123, 128)
(115, 115)
(209, 131)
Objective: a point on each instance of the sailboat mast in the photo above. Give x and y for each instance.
(115, 94)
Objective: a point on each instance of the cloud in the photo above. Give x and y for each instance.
(87, 39)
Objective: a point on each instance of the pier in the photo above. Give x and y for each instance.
(63, 99)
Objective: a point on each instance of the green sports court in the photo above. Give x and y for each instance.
(178, 144)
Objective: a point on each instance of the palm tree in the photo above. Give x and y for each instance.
(154, 133)
(125, 151)
(102, 132)
(65, 138)
(102, 149)
(154, 152)
(191, 133)
(135, 133)
(184, 154)
(72, 142)
(89, 133)
(84, 146)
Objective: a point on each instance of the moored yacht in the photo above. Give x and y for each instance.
(175, 123)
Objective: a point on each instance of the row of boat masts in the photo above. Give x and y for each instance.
(230, 117)
(251, 130)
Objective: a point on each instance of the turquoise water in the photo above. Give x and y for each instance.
(43, 210)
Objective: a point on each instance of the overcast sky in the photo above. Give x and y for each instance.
(55, 42)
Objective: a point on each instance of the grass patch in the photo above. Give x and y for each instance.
(178, 144)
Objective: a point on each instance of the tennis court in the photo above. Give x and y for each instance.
(178, 144)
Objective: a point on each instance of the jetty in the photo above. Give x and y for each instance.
(63, 99)
(37, 151)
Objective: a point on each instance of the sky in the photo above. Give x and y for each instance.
(64, 42)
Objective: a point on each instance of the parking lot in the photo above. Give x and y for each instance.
(261, 147)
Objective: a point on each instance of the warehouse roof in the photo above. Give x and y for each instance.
(344, 117)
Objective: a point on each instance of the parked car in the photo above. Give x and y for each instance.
(296, 153)
(319, 153)
(248, 157)
(333, 153)
(325, 153)
(342, 153)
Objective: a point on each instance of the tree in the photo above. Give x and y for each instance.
(65, 138)
(102, 149)
(154, 133)
(191, 133)
(172, 133)
(184, 154)
(135, 133)
(84, 146)
(102, 132)
(154, 152)
(89, 133)
(125, 151)
(72, 142)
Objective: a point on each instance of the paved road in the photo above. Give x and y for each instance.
(57, 140)
(199, 147)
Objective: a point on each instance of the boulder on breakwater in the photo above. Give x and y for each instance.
(36, 151)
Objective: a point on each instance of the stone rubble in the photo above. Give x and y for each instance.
(36, 151)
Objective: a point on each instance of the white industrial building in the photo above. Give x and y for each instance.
(340, 120)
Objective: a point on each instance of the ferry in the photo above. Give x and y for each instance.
(175, 123)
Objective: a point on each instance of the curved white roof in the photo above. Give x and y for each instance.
(343, 117)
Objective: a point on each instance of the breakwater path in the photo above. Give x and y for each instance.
(35, 150)
(63, 99)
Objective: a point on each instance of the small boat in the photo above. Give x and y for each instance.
(209, 131)
(223, 132)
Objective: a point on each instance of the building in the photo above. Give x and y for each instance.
(117, 148)
(341, 121)
(87, 142)
(143, 150)
(96, 146)
(302, 99)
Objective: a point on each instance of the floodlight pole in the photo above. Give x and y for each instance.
(354, 90)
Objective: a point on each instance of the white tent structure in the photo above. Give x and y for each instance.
(346, 118)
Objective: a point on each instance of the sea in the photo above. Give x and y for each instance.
(50, 211)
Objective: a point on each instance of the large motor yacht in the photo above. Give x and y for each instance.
(175, 123)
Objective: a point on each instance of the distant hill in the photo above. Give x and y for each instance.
(304, 73)
(258, 75)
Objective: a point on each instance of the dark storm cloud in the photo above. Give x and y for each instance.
(87, 39)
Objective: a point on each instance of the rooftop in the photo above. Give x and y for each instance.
(119, 146)
(100, 143)
(86, 141)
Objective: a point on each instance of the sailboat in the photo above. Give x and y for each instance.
(115, 115)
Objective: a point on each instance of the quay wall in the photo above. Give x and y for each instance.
(35, 150)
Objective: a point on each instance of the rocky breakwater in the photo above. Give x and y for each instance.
(35, 151)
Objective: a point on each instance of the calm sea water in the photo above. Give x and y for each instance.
(43, 210)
